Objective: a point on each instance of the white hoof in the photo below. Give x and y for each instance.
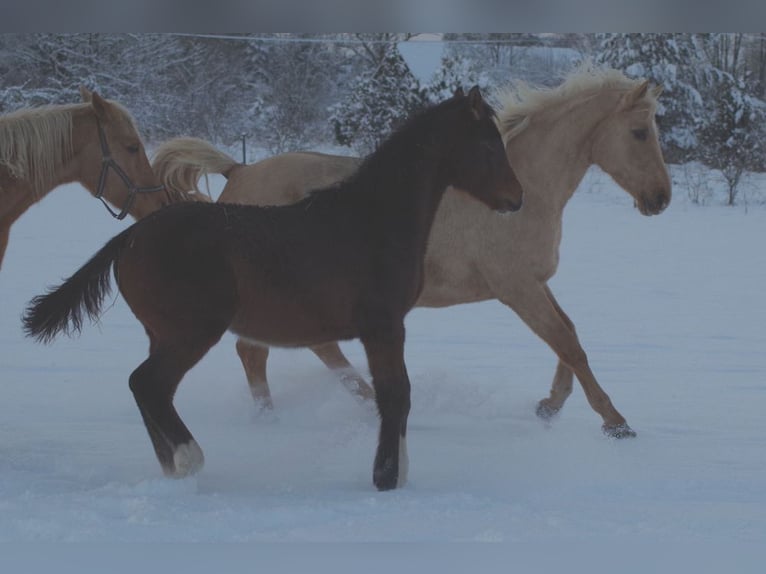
(188, 459)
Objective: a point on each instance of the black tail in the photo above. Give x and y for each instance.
(61, 309)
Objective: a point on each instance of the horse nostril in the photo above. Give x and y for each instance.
(508, 206)
(663, 199)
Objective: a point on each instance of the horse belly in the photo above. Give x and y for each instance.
(283, 318)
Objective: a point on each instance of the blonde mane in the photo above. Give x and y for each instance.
(519, 101)
(35, 142)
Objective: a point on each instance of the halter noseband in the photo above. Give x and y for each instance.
(107, 162)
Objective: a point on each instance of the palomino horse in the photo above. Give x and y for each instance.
(346, 262)
(42, 148)
(597, 116)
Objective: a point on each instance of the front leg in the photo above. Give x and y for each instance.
(535, 305)
(385, 354)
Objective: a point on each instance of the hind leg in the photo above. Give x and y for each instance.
(254, 359)
(154, 384)
(331, 355)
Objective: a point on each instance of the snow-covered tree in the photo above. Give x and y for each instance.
(672, 61)
(733, 137)
(500, 58)
(49, 68)
(299, 84)
(455, 72)
(376, 103)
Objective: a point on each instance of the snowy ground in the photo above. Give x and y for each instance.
(670, 310)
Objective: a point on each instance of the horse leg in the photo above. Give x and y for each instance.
(536, 309)
(331, 355)
(562, 381)
(254, 359)
(154, 384)
(385, 355)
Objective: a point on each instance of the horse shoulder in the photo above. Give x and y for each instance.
(519, 250)
(452, 260)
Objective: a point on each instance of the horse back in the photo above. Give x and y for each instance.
(286, 178)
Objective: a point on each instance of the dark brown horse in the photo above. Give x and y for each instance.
(346, 262)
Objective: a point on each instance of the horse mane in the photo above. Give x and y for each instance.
(519, 101)
(411, 129)
(35, 142)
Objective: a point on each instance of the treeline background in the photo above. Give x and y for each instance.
(293, 91)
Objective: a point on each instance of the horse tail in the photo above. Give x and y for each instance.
(61, 308)
(180, 163)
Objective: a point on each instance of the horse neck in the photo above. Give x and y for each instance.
(85, 166)
(38, 179)
(407, 182)
(552, 155)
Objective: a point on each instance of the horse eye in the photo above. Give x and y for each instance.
(639, 134)
(133, 148)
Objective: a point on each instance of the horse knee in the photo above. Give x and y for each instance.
(576, 358)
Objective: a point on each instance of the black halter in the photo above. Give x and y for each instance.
(107, 161)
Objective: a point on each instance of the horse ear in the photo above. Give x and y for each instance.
(657, 90)
(85, 94)
(635, 95)
(476, 103)
(458, 92)
(640, 92)
(99, 106)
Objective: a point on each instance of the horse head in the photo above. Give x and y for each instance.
(133, 187)
(626, 146)
(480, 167)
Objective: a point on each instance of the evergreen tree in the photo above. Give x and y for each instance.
(733, 135)
(672, 61)
(376, 103)
(455, 72)
(299, 84)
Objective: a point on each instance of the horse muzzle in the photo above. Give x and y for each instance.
(654, 204)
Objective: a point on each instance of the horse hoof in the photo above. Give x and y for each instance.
(385, 477)
(618, 431)
(545, 411)
(358, 387)
(187, 460)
